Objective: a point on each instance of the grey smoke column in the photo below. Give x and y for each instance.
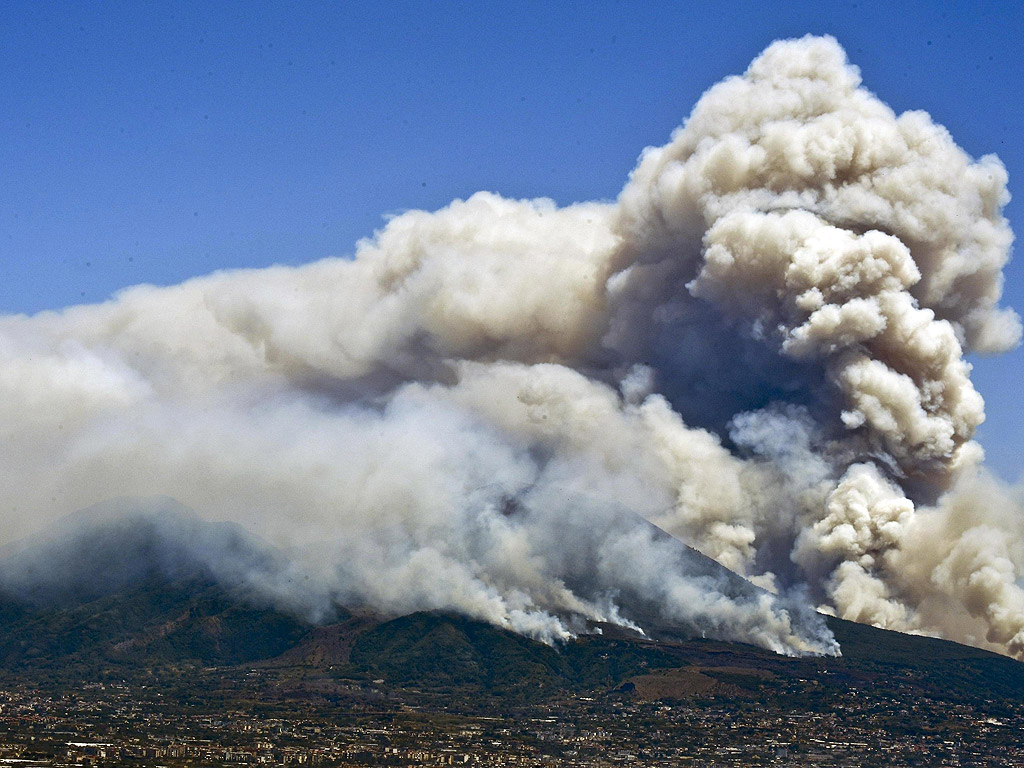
(841, 259)
(758, 347)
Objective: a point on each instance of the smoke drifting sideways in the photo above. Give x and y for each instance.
(758, 348)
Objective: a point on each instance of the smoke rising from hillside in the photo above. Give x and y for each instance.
(758, 347)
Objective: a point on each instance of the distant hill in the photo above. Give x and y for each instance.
(145, 614)
(122, 543)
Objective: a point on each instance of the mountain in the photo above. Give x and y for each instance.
(100, 604)
(118, 544)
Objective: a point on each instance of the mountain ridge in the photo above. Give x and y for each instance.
(175, 619)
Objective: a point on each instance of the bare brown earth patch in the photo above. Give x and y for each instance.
(327, 645)
(686, 682)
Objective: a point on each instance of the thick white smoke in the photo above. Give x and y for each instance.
(758, 347)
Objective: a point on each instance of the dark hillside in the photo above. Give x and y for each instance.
(150, 623)
(133, 601)
(938, 667)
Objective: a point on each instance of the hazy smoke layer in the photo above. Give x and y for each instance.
(758, 347)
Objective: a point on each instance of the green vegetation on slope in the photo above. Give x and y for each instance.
(153, 622)
(177, 625)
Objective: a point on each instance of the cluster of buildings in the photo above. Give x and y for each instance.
(119, 724)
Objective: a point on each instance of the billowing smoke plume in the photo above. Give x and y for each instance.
(758, 347)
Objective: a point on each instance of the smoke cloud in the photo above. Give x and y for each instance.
(758, 347)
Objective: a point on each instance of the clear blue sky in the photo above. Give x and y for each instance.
(149, 142)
